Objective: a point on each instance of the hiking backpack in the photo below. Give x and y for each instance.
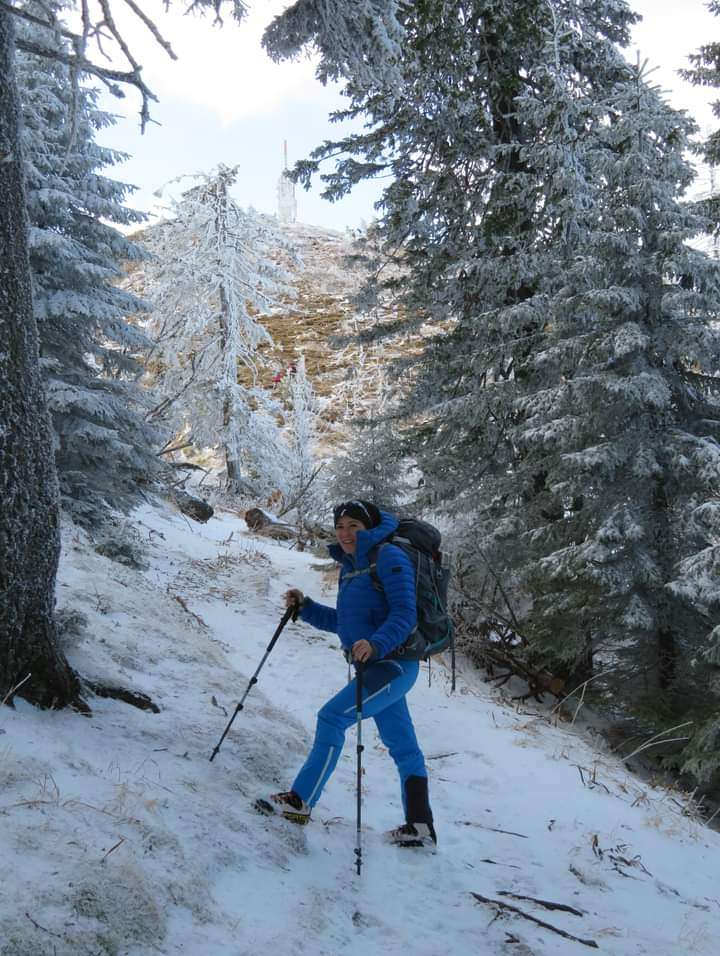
(421, 543)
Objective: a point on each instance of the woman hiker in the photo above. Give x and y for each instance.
(373, 625)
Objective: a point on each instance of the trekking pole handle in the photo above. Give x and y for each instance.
(291, 612)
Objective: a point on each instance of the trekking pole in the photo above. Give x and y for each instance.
(358, 708)
(452, 662)
(291, 612)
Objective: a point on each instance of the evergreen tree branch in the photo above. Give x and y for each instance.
(37, 21)
(108, 76)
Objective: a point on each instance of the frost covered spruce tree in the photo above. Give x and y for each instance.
(29, 538)
(568, 419)
(210, 277)
(615, 428)
(602, 513)
(88, 351)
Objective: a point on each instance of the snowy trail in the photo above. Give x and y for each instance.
(125, 839)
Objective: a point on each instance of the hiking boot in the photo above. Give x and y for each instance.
(287, 804)
(412, 834)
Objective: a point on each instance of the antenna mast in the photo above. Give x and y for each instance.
(287, 204)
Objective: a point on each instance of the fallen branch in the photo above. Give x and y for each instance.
(481, 826)
(264, 523)
(490, 655)
(183, 605)
(170, 449)
(44, 928)
(617, 861)
(280, 532)
(546, 904)
(133, 697)
(113, 848)
(198, 509)
(533, 919)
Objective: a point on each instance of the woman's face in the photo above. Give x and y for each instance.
(345, 531)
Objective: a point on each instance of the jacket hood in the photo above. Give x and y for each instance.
(367, 539)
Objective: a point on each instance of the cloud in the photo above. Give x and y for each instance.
(224, 69)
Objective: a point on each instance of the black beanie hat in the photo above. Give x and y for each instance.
(363, 511)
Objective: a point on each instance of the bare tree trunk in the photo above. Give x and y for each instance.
(29, 525)
(220, 201)
(232, 467)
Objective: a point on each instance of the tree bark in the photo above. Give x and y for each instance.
(666, 649)
(29, 510)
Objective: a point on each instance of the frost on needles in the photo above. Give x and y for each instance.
(214, 270)
(88, 350)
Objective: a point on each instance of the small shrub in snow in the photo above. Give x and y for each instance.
(123, 903)
(121, 547)
(19, 940)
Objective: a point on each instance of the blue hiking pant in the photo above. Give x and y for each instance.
(385, 684)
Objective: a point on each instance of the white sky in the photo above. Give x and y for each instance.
(225, 101)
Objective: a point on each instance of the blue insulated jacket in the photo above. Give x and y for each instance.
(385, 618)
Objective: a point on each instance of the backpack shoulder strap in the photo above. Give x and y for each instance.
(371, 569)
(374, 554)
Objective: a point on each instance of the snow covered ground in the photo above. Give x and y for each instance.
(119, 837)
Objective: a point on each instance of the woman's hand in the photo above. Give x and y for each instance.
(362, 651)
(293, 598)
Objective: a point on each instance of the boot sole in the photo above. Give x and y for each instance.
(268, 809)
